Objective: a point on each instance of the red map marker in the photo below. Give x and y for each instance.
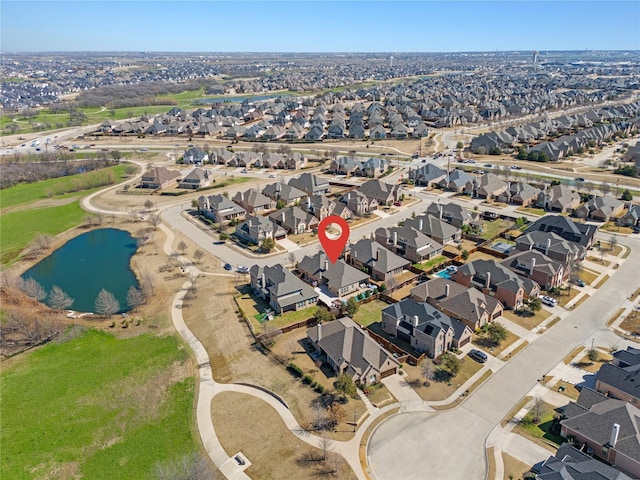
(333, 247)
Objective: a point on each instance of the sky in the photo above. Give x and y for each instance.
(318, 26)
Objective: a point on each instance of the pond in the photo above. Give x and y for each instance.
(88, 263)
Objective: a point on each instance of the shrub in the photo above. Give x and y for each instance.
(307, 380)
(295, 370)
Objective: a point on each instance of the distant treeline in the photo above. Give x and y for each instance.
(32, 168)
(128, 96)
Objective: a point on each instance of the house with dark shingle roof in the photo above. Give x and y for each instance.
(281, 288)
(255, 229)
(348, 349)
(427, 175)
(254, 202)
(195, 155)
(493, 278)
(435, 228)
(451, 213)
(552, 245)
(558, 198)
(621, 379)
(600, 209)
(632, 217)
(159, 177)
(424, 327)
(310, 184)
(220, 208)
(340, 278)
(520, 193)
(610, 428)
(408, 243)
(580, 233)
(569, 463)
(538, 267)
(383, 193)
(281, 191)
(380, 263)
(196, 178)
(294, 220)
(457, 181)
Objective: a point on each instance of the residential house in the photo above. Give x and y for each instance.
(195, 155)
(348, 349)
(439, 230)
(341, 210)
(488, 186)
(569, 463)
(340, 278)
(319, 206)
(607, 427)
(457, 181)
(424, 327)
(244, 159)
(281, 288)
(566, 228)
(254, 202)
(220, 208)
(538, 267)
(159, 177)
(468, 305)
(371, 168)
(359, 203)
(492, 278)
(380, 263)
(520, 193)
(343, 165)
(600, 209)
(310, 184)
(294, 220)
(281, 191)
(621, 378)
(427, 175)
(632, 217)
(408, 243)
(558, 198)
(451, 213)
(552, 245)
(221, 156)
(383, 193)
(196, 178)
(255, 229)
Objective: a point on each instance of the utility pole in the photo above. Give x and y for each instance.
(354, 421)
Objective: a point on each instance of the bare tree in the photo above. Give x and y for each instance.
(58, 299)
(106, 303)
(613, 242)
(538, 409)
(326, 444)
(427, 371)
(148, 205)
(182, 247)
(154, 220)
(197, 255)
(135, 297)
(292, 258)
(188, 467)
(148, 282)
(34, 290)
(605, 187)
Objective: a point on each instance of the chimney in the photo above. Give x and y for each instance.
(309, 203)
(446, 290)
(488, 281)
(440, 208)
(277, 186)
(319, 331)
(546, 250)
(283, 215)
(420, 224)
(326, 264)
(377, 254)
(533, 265)
(416, 319)
(395, 238)
(264, 281)
(615, 430)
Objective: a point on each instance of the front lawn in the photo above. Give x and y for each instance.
(440, 390)
(253, 306)
(542, 432)
(96, 407)
(495, 350)
(525, 319)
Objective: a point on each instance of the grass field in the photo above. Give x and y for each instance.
(96, 407)
(369, 313)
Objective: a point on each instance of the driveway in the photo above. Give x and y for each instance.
(400, 389)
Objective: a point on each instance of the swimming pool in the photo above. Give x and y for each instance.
(443, 274)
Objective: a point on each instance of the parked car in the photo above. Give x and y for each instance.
(243, 269)
(227, 266)
(478, 356)
(515, 167)
(244, 170)
(490, 216)
(580, 282)
(547, 300)
(272, 175)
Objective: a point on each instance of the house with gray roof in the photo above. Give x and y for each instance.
(488, 186)
(159, 177)
(493, 278)
(608, 427)
(319, 206)
(221, 156)
(566, 228)
(372, 257)
(359, 203)
(195, 155)
(621, 378)
(451, 213)
(558, 198)
(254, 202)
(424, 327)
(294, 220)
(538, 267)
(343, 165)
(196, 178)
(632, 217)
(552, 246)
(310, 184)
(254, 229)
(281, 288)
(340, 278)
(600, 209)
(220, 208)
(282, 191)
(427, 175)
(569, 463)
(457, 181)
(435, 228)
(348, 349)
(409, 243)
(383, 193)
(466, 304)
(520, 193)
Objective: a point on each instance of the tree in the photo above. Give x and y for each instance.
(450, 363)
(427, 371)
(182, 247)
(148, 204)
(223, 236)
(351, 307)
(135, 297)
(34, 290)
(345, 385)
(58, 299)
(613, 242)
(292, 258)
(193, 466)
(148, 283)
(465, 254)
(336, 413)
(197, 255)
(280, 204)
(459, 145)
(626, 195)
(154, 220)
(593, 355)
(497, 333)
(534, 304)
(322, 315)
(538, 409)
(116, 155)
(268, 244)
(106, 303)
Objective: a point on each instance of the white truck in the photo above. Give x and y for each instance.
(35, 143)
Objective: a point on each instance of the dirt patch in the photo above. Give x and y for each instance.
(275, 453)
(513, 468)
(44, 203)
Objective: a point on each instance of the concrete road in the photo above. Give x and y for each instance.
(451, 444)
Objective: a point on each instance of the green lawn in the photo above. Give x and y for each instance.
(541, 431)
(95, 407)
(429, 264)
(28, 192)
(17, 229)
(369, 312)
